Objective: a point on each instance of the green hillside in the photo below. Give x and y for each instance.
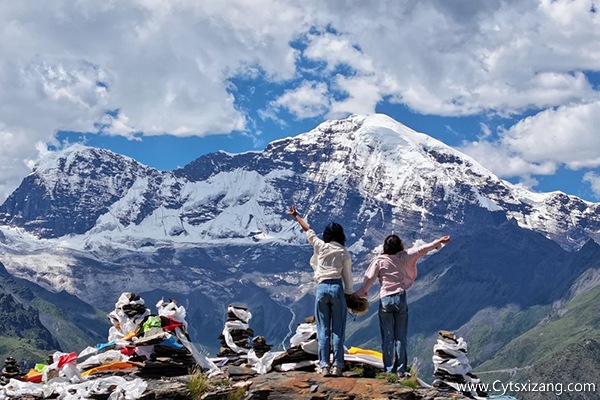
(36, 322)
(22, 335)
(576, 322)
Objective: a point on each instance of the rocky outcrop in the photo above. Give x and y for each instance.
(306, 385)
(299, 385)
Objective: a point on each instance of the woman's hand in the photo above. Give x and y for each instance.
(292, 211)
(444, 239)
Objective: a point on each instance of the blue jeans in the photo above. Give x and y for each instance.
(330, 312)
(393, 321)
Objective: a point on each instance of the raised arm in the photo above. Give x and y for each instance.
(435, 245)
(294, 213)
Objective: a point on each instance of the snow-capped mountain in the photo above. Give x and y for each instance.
(371, 172)
(95, 223)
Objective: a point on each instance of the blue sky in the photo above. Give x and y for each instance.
(513, 83)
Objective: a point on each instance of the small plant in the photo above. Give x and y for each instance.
(413, 380)
(198, 384)
(221, 382)
(238, 394)
(387, 376)
(360, 371)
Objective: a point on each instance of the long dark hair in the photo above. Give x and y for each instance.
(392, 245)
(334, 233)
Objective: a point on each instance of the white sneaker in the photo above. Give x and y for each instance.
(336, 371)
(324, 371)
(404, 375)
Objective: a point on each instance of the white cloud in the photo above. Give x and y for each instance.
(486, 132)
(568, 135)
(308, 100)
(362, 95)
(503, 162)
(338, 50)
(163, 67)
(594, 180)
(540, 144)
(459, 58)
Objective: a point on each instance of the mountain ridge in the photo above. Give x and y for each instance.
(362, 158)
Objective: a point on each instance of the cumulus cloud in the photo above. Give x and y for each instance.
(567, 134)
(308, 100)
(594, 181)
(145, 67)
(506, 163)
(460, 58)
(336, 50)
(361, 95)
(130, 67)
(539, 144)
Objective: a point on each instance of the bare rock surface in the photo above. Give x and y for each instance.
(308, 385)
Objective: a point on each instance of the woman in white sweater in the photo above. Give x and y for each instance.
(333, 272)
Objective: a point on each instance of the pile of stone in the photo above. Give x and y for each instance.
(451, 366)
(260, 346)
(140, 345)
(237, 339)
(10, 370)
(152, 343)
(303, 351)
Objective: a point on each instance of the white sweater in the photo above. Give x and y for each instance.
(330, 261)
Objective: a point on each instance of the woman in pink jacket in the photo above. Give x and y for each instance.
(396, 270)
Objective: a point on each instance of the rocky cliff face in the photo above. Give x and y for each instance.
(69, 191)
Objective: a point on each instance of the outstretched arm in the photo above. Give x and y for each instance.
(435, 245)
(444, 239)
(294, 213)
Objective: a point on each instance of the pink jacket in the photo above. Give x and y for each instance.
(396, 272)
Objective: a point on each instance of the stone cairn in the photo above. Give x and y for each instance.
(237, 337)
(451, 366)
(260, 346)
(303, 350)
(10, 370)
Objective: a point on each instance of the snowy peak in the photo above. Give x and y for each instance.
(381, 158)
(415, 173)
(69, 189)
(84, 161)
(371, 173)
